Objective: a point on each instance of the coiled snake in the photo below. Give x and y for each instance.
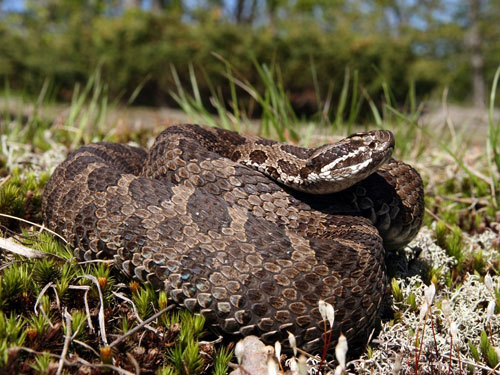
(249, 232)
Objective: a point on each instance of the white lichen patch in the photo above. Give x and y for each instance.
(26, 159)
(461, 311)
(432, 254)
(484, 242)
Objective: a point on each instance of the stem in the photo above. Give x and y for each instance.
(434, 335)
(451, 351)
(459, 362)
(420, 348)
(491, 333)
(325, 347)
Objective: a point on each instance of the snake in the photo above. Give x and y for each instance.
(248, 232)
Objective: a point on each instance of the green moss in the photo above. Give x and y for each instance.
(38, 324)
(479, 263)
(396, 291)
(145, 301)
(412, 301)
(222, 359)
(21, 196)
(451, 240)
(186, 358)
(474, 351)
(16, 284)
(11, 334)
(167, 370)
(45, 271)
(42, 363)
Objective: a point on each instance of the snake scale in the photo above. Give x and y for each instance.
(249, 232)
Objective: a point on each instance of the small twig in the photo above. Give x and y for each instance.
(436, 217)
(140, 326)
(134, 308)
(42, 227)
(434, 335)
(471, 201)
(7, 178)
(58, 301)
(86, 346)
(79, 360)
(79, 287)
(22, 250)
(40, 295)
(419, 350)
(106, 261)
(67, 340)
(135, 363)
(87, 311)
(213, 342)
(102, 324)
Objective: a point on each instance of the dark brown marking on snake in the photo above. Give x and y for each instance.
(273, 172)
(258, 156)
(305, 172)
(235, 156)
(288, 168)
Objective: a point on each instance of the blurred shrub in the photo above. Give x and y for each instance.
(137, 45)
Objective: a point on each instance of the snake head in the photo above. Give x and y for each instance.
(337, 166)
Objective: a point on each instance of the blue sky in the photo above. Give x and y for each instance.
(449, 6)
(13, 5)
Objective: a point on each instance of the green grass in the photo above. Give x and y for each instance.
(461, 208)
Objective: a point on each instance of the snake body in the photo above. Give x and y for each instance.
(249, 232)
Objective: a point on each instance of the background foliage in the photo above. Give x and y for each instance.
(433, 44)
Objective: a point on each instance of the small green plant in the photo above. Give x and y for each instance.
(221, 361)
(42, 363)
(88, 111)
(78, 324)
(167, 370)
(44, 304)
(487, 350)
(124, 327)
(144, 300)
(103, 274)
(162, 304)
(48, 243)
(11, 328)
(15, 284)
(67, 275)
(45, 271)
(38, 325)
(451, 239)
(396, 291)
(185, 357)
(493, 141)
(11, 334)
(474, 352)
(412, 301)
(191, 326)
